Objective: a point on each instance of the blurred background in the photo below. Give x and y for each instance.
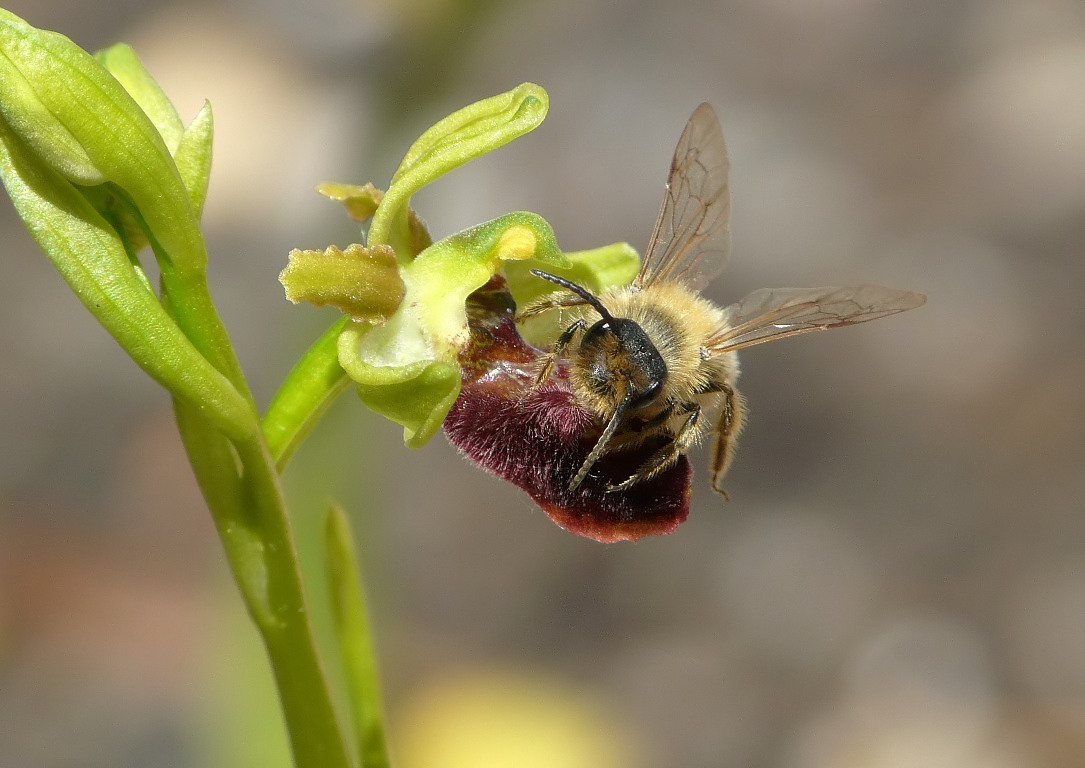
(899, 578)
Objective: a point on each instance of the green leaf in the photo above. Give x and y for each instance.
(28, 115)
(193, 157)
(355, 640)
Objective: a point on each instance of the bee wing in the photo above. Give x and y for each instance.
(767, 315)
(691, 241)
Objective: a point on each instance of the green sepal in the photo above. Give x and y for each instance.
(465, 134)
(407, 368)
(596, 269)
(123, 63)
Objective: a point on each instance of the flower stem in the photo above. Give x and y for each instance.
(240, 482)
(310, 387)
(242, 490)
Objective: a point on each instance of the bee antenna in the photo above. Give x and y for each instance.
(579, 290)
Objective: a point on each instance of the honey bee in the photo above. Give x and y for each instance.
(660, 355)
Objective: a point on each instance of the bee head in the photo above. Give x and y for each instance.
(617, 353)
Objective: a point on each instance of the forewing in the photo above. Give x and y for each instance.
(691, 241)
(767, 314)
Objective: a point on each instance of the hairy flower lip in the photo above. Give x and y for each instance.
(537, 437)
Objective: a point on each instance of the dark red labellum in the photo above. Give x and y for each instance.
(537, 438)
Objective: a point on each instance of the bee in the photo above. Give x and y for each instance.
(651, 359)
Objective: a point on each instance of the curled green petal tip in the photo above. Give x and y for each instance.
(465, 134)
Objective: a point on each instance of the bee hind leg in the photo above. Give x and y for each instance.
(732, 417)
(668, 454)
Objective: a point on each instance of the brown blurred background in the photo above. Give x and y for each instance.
(899, 579)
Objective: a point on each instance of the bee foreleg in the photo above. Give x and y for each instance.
(732, 416)
(600, 445)
(668, 453)
(560, 300)
(563, 342)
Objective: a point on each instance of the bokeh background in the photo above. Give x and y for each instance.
(899, 579)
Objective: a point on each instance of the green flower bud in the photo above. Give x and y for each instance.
(76, 116)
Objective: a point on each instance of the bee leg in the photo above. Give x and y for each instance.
(600, 445)
(634, 429)
(563, 342)
(559, 300)
(668, 454)
(732, 416)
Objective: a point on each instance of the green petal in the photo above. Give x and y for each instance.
(363, 283)
(360, 200)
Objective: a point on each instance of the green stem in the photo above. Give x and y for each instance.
(186, 293)
(248, 510)
(304, 396)
(241, 485)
